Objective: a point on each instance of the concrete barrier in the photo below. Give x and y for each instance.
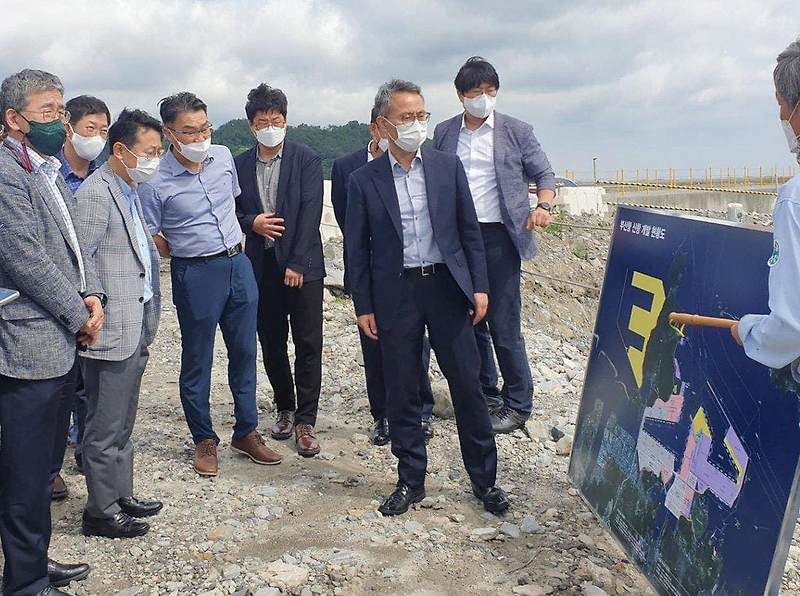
(328, 227)
(582, 200)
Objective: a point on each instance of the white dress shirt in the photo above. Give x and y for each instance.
(476, 150)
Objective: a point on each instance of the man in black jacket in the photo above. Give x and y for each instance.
(279, 209)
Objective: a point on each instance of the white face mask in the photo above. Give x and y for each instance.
(383, 145)
(146, 168)
(410, 136)
(271, 136)
(194, 152)
(87, 148)
(791, 135)
(481, 106)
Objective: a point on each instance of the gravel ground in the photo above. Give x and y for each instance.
(310, 526)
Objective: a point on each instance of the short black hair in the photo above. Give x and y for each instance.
(83, 105)
(475, 71)
(265, 99)
(373, 115)
(129, 124)
(185, 101)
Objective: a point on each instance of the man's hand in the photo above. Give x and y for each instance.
(735, 333)
(368, 326)
(293, 279)
(269, 226)
(481, 304)
(538, 218)
(162, 245)
(88, 333)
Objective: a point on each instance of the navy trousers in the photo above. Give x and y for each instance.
(435, 302)
(206, 293)
(34, 419)
(376, 384)
(503, 321)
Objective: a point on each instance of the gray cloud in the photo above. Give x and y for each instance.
(639, 84)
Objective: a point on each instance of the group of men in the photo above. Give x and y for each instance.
(434, 239)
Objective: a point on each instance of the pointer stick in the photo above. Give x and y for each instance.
(680, 318)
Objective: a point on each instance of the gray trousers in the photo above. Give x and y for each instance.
(112, 390)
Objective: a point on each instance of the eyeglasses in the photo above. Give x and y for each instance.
(409, 117)
(152, 154)
(204, 132)
(48, 115)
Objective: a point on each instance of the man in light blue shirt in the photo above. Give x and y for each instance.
(126, 260)
(190, 210)
(774, 339)
(419, 246)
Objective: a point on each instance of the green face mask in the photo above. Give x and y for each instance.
(47, 138)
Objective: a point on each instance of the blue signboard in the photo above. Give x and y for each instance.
(685, 448)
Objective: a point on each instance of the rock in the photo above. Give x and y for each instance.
(442, 402)
(510, 530)
(529, 525)
(413, 527)
(221, 533)
(268, 592)
(135, 552)
(482, 534)
(232, 571)
(267, 491)
(132, 591)
(427, 503)
(360, 440)
(564, 446)
(361, 404)
(586, 540)
(592, 590)
(532, 590)
(262, 512)
(537, 430)
(556, 434)
(286, 576)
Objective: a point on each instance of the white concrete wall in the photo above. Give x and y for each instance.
(328, 227)
(582, 200)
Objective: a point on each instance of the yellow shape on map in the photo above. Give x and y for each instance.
(642, 322)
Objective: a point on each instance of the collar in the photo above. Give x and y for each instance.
(394, 162)
(488, 122)
(66, 169)
(37, 161)
(126, 189)
(172, 166)
(278, 156)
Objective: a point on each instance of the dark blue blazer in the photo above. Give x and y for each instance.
(340, 174)
(374, 236)
(299, 203)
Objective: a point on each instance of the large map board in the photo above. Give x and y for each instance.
(685, 448)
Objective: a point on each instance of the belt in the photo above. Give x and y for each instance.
(228, 252)
(425, 270)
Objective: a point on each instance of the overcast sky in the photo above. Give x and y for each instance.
(661, 83)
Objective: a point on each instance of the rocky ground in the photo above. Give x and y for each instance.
(310, 526)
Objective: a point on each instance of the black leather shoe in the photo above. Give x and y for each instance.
(505, 420)
(495, 500)
(79, 462)
(380, 434)
(401, 499)
(51, 591)
(427, 429)
(121, 525)
(60, 575)
(136, 508)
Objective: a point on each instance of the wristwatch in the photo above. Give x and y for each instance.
(544, 205)
(101, 297)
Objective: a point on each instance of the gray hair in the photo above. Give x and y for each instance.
(787, 74)
(17, 88)
(385, 92)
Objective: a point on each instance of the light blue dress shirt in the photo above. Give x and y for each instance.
(141, 236)
(774, 339)
(195, 212)
(419, 244)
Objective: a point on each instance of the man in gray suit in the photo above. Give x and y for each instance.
(501, 157)
(126, 259)
(59, 308)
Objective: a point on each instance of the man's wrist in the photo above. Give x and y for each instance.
(101, 297)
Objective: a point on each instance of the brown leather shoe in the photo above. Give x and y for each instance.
(205, 458)
(282, 429)
(255, 447)
(60, 490)
(307, 444)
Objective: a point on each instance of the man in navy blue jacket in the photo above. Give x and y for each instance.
(280, 209)
(370, 349)
(416, 261)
